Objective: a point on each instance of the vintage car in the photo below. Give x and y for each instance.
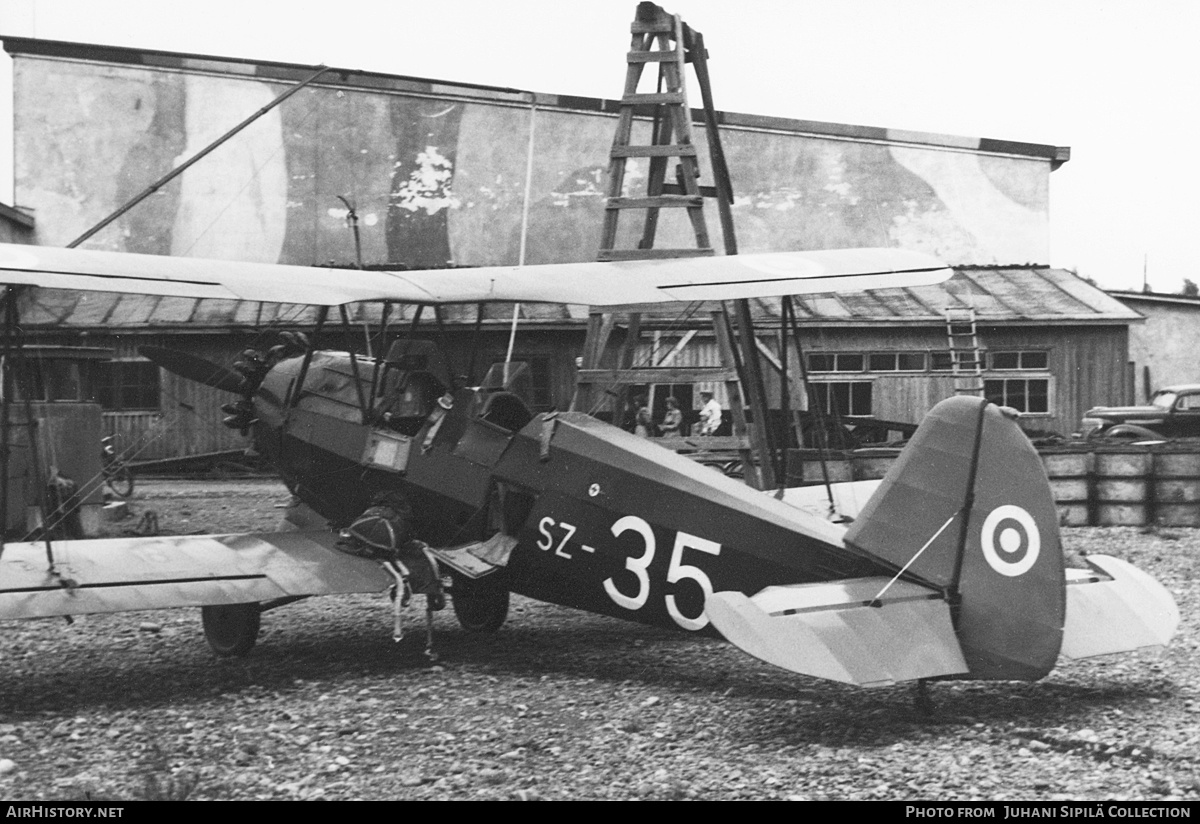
(1173, 412)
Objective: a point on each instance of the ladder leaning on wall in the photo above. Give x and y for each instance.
(966, 357)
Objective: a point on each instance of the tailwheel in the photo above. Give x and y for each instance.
(478, 606)
(231, 629)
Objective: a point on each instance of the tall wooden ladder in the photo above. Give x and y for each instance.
(966, 358)
(664, 39)
(659, 38)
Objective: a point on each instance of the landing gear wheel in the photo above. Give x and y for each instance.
(231, 629)
(120, 480)
(479, 608)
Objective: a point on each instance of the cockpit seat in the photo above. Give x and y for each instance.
(506, 410)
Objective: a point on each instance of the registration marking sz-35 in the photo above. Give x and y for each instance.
(639, 564)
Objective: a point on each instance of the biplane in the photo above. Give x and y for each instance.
(953, 567)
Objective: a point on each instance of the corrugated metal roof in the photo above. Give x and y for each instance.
(1011, 295)
(1008, 295)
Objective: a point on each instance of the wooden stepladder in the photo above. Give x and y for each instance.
(966, 358)
(663, 39)
(659, 38)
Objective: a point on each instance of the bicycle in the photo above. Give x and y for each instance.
(117, 474)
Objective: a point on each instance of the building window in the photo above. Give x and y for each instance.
(1018, 360)
(836, 362)
(869, 361)
(843, 397)
(50, 380)
(127, 386)
(896, 362)
(1028, 395)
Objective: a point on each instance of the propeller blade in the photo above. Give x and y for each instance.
(196, 368)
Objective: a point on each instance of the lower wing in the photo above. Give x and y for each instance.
(121, 574)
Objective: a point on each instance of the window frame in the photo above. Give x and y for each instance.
(1026, 377)
(1023, 356)
(826, 386)
(111, 391)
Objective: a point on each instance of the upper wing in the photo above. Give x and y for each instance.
(122, 574)
(621, 283)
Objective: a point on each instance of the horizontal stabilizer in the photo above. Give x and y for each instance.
(1115, 607)
(831, 630)
(122, 574)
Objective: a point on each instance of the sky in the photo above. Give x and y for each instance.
(1117, 82)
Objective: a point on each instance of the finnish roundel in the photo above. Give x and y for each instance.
(1011, 540)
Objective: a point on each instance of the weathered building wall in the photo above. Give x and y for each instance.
(1163, 350)
(438, 173)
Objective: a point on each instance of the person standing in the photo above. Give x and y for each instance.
(643, 425)
(710, 414)
(672, 422)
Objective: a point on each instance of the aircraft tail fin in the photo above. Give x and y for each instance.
(967, 509)
(966, 518)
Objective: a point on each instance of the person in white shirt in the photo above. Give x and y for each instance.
(710, 414)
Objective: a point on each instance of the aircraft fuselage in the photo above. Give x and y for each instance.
(604, 520)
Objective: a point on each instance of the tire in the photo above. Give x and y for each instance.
(1130, 432)
(479, 608)
(120, 480)
(231, 629)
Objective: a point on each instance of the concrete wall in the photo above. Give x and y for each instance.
(441, 177)
(1166, 344)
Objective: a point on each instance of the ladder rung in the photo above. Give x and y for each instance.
(676, 189)
(659, 202)
(649, 254)
(663, 25)
(670, 150)
(651, 56)
(653, 97)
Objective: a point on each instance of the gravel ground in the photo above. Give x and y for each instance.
(561, 705)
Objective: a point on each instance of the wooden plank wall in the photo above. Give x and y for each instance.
(1087, 365)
